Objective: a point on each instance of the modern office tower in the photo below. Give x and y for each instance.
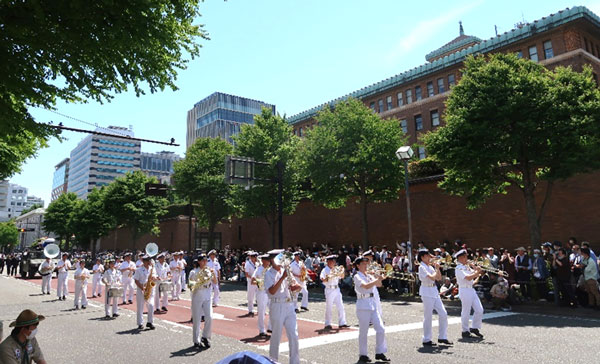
(159, 165)
(60, 179)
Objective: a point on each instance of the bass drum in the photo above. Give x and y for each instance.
(165, 287)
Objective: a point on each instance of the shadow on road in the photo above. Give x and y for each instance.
(135, 331)
(256, 339)
(191, 351)
(439, 349)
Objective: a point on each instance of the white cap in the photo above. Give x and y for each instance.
(460, 252)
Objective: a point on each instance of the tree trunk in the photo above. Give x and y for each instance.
(271, 224)
(532, 215)
(211, 231)
(365, 222)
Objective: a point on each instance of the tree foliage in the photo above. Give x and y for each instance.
(58, 216)
(199, 178)
(512, 122)
(9, 234)
(351, 154)
(80, 50)
(91, 220)
(126, 201)
(269, 140)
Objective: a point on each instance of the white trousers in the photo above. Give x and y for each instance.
(216, 291)
(183, 282)
(176, 286)
(80, 293)
(304, 293)
(128, 287)
(283, 315)
(110, 301)
(251, 294)
(378, 302)
(61, 289)
(430, 304)
(364, 318)
(139, 300)
(161, 299)
(333, 296)
(262, 301)
(96, 286)
(201, 308)
(469, 299)
(46, 283)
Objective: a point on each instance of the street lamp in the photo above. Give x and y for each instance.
(405, 153)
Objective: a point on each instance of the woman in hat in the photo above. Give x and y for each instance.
(21, 347)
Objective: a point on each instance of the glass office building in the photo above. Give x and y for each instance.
(159, 165)
(99, 159)
(60, 179)
(221, 116)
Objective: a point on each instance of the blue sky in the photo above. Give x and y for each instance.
(294, 54)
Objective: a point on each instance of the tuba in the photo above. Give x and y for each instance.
(151, 249)
(285, 261)
(51, 251)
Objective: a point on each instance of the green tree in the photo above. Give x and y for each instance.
(9, 235)
(269, 140)
(351, 154)
(199, 179)
(58, 217)
(512, 122)
(90, 220)
(32, 207)
(125, 199)
(79, 50)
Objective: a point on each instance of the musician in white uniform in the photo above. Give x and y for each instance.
(333, 296)
(111, 278)
(127, 269)
(139, 262)
(163, 274)
(428, 274)
(366, 311)
(262, 299)
(142, 276)
(175, 268)
(63, 267)
(97, 271)
(46, 269)
(465, 278)
(201, 305)
(282, 309)
(213, 263)
(82, 274)
(297, 268)
(249, 268)
(371, 257)
(183, 265)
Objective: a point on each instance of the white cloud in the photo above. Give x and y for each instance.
(426, 29)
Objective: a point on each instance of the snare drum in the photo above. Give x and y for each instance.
(165, 287)
(115, 292)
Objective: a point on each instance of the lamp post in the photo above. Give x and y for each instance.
(405, 153)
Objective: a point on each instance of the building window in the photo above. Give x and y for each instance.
(548, 52)
(404, 126)
(451, 80)
(372, 105)
(519, 54)
(418, 93)
(380, 103)
(430, 89)
(586, 44)
(440, 84)
(418, 122)
(408, 96)
(389, 103)
(300, 132)
(400, 99)
(435, 118)
(533, 53)
(421, 151)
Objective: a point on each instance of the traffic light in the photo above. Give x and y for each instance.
(156, 189)
(22, 230)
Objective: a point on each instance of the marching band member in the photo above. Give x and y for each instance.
(97, 271)
(282, 309)
(201, 305)
(143, 276)
(465, 277)
(299, 272)
(139, 262)
(183, 265)
(333, 296)
(127, 269)
(366, 311)
(213, 263)
(81, 282)
(46, 269)
(428, 274)
(249, 269)
(63, 267)
(163, 274)
(371, 257)
(110, 278)
(262, 299)
(176, 274)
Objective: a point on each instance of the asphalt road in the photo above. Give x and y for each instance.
(69, 335)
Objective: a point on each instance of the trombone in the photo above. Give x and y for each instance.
(488, 268)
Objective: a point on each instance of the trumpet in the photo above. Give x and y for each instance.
(376, 269)
(443, 262)
(485, 266)
(336, 272)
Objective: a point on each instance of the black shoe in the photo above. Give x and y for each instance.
(328, 327)
(99, 294)
(201, 319)
(382, 357)
(64, 298)
(165, 309)
(183, 290)
(107, 316)
(263, 334)
(197, 345)
(429, 343)
(476, 333)
(304, 308)
(150, 326)
(83, 307)
(466, 335)
(343, 326)
(93, 296)
(124, 303)
(140, 327)
(130, 302)
(297, 310)
(270, 331)
(364, 359)
(205, 342)
(445, 341)
(47, 292)
(115, 315)
(157, 311)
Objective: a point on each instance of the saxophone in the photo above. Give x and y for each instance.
(302, 272)
(260, 282)
(149, 285)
